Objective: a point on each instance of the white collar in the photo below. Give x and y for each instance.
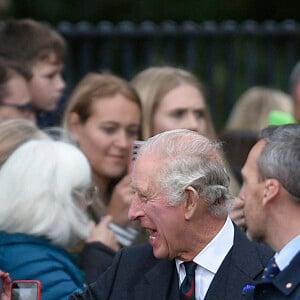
(212, 256)
(287, 253)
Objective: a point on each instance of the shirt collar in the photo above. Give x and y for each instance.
(287, 253)
(212, 256)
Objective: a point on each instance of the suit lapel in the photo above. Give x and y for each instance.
(160, 282)
(240, 267)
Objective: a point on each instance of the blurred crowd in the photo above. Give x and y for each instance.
(65, 164)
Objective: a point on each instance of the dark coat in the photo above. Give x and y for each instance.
(95, 259)
(137, 274)
(286, 285)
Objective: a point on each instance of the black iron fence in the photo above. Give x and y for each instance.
(227, 57)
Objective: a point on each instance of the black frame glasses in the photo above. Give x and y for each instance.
(87, 195)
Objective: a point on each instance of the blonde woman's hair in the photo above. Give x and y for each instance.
(251, 111)
(154, 83)
(94, 86)
(15, 132)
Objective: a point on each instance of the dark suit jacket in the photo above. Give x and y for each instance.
(137, 274)
(286, 284)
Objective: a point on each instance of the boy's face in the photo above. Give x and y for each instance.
(47, 84)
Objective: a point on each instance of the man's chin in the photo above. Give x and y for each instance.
(159, 254)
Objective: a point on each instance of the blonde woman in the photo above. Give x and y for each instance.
(252, 110)
(173, 98)
(104, 116)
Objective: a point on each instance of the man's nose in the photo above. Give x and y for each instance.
(135, 210)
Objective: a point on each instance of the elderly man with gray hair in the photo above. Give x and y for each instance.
(181, 197)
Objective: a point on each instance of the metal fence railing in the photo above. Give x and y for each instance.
(227, 57)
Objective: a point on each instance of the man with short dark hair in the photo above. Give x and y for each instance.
(271, 195)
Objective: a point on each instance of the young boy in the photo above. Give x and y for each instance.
(41, 50)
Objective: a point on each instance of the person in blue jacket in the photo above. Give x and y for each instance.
(45, 190)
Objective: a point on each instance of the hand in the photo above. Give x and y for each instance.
(120, 201)
(237, 213)
(6, 292)
(101, 233)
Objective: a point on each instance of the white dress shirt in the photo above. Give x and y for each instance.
(287, 253)
(209, 260)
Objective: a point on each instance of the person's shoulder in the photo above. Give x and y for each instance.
(14, 239)
(261, 251)
(26, 256)
(142, 250)
(141, 256)
(248, 256)
(35, 245)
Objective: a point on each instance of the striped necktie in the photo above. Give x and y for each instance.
(187, 288)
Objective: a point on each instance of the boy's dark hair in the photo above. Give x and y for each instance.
(27, 41)
(7, 70)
